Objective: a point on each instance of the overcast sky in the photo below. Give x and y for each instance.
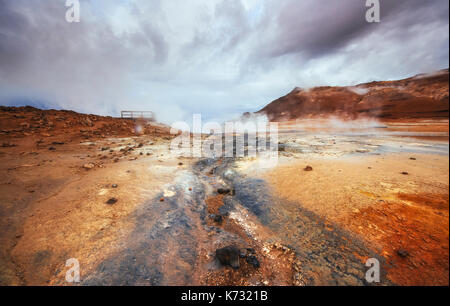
(219, 58)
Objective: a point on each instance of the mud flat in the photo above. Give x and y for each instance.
(390, 211)
(133, 214)
(386, 192)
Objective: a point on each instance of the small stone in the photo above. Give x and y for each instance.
(412, 158)
(89, 166)
(362, 151)
(8, 145)
(308, 168)
(52, 149)
(251, 250)
(252, 260)
(180, 164)
(223, 191)
(228, 256)
(161, 200)
(114, 186)
(111, 201)
(402, 253)
(405, 173)
(218, 219)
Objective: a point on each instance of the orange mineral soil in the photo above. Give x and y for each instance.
(108, 192)
(397, 203)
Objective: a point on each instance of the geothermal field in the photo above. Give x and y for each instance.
(362, 173)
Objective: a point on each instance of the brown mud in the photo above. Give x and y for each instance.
(365, 197)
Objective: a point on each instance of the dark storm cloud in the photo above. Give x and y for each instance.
(83, 65)
(12, 48)
(314, 28)
(218, 57)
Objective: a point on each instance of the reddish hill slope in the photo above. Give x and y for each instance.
(422, 96)
(21, 122)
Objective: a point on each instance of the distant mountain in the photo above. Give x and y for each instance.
(422, 96)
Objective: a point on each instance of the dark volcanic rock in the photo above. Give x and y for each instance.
(251, 250)
(8, 145)
(228, 256)
(252, 260)
(308, 168)
(223, 191)
(402, 253)
(112, 201)
(217, 218)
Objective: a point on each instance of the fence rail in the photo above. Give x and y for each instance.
(137, 115)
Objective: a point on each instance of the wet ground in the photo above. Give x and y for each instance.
(174, 241)
(175, 237)
(366, 196)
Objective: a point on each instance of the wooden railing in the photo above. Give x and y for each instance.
(137, 115)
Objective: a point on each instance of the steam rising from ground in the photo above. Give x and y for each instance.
(214, 57)
(332, 124)
(359, 90)
(251, 121)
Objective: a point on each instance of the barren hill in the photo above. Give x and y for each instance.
(65, 126)
(423, 96)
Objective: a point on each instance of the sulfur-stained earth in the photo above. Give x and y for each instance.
(108, 193)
